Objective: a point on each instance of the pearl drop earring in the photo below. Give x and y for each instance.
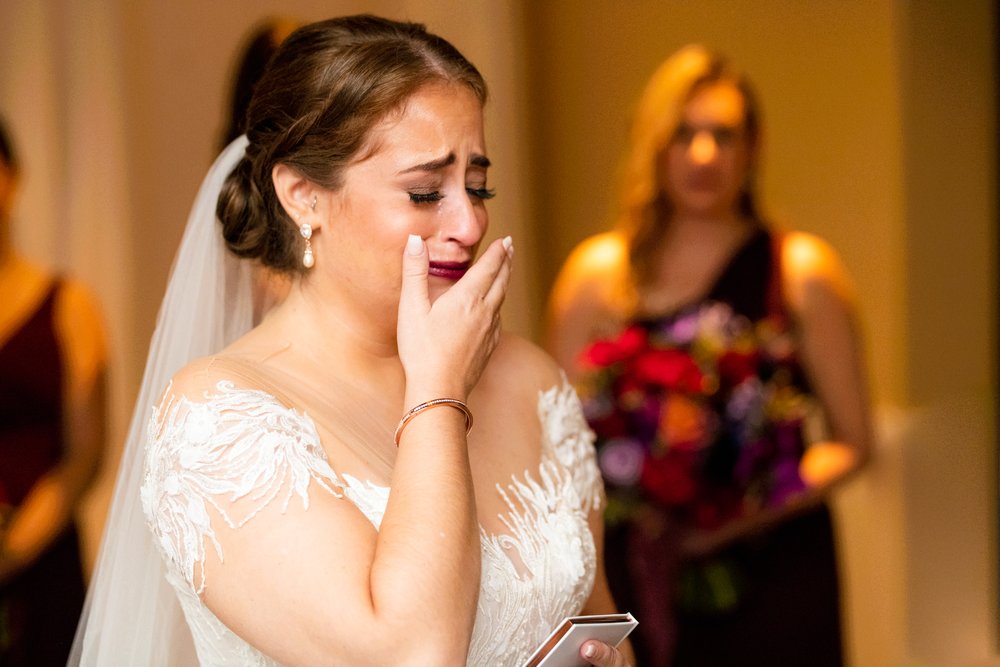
(307, 257)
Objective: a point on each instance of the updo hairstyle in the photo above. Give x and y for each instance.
(313, 110)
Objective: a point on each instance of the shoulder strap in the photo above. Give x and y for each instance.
(775, 298)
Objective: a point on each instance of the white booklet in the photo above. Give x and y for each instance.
(562, 647)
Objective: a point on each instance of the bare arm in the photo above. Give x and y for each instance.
(820, 294)
(49, 506)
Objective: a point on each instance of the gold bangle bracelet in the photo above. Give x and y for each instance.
(417, 409)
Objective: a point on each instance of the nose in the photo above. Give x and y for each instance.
(703, 148)
(464, 221)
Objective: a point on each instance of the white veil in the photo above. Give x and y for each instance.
(131, 616)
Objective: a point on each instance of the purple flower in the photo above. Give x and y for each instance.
(786, 482)
(746, 399)
(683, 330)
(621, 461)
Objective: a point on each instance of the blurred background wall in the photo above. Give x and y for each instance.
(880, 121)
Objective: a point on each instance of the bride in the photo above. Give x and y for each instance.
(374, 474)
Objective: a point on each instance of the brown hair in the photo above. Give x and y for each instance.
(324, 90)
(643, 207)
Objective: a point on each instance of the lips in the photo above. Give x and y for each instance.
(448, 270)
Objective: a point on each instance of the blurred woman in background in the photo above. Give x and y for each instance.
(52, 431)
(705, 344)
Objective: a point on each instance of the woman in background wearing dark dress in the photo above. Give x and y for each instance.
(259, 46)
(704, 344)
(52, 421)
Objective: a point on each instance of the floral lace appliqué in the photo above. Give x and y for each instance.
(244, 445)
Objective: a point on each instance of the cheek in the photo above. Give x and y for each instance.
(671, 168)
(738, 166)
(483, 218)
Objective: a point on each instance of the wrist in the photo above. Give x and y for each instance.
(419, 391)
(432, 404)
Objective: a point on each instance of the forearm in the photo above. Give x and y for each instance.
(37, 522)
(50, 504)
(825, 466)
(426, 565)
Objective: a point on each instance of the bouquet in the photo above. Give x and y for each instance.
(699, 415)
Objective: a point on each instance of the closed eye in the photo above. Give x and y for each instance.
(426, 197)
(481, 193)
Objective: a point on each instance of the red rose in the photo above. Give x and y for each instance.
(669, 479)
(603, 353)
(735, 367)
(671, 369)
(609, 426)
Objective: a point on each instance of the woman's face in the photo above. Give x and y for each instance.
(705, 165)
(426, 175)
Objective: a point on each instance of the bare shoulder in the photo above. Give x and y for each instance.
(602, 252)
(521, 368)
(80, 326)
(593, 268)
(811, 267)
(517, 372)
(587, 300)
(78, 311)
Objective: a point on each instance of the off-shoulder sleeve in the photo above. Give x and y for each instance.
(225, 454)
(572, 441)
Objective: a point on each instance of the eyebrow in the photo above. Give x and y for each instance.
(446, 161)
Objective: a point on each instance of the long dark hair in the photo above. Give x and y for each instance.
(257, 51)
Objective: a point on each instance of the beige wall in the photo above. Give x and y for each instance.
(880, 137)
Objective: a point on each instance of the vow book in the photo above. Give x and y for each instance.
(562, 647)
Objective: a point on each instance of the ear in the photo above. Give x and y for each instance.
(298, 195)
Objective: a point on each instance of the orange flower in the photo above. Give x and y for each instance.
(683, 423)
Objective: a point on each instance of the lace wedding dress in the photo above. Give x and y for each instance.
(242, 441)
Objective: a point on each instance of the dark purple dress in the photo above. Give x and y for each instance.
(39, 609)
(699, 415)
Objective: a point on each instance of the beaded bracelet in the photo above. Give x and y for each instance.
(417, 409)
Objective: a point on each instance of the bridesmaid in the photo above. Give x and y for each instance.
(701, 338)
(52, 431)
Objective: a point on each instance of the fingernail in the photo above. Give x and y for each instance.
(589, 650)
(508, 245)
(414, 245)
